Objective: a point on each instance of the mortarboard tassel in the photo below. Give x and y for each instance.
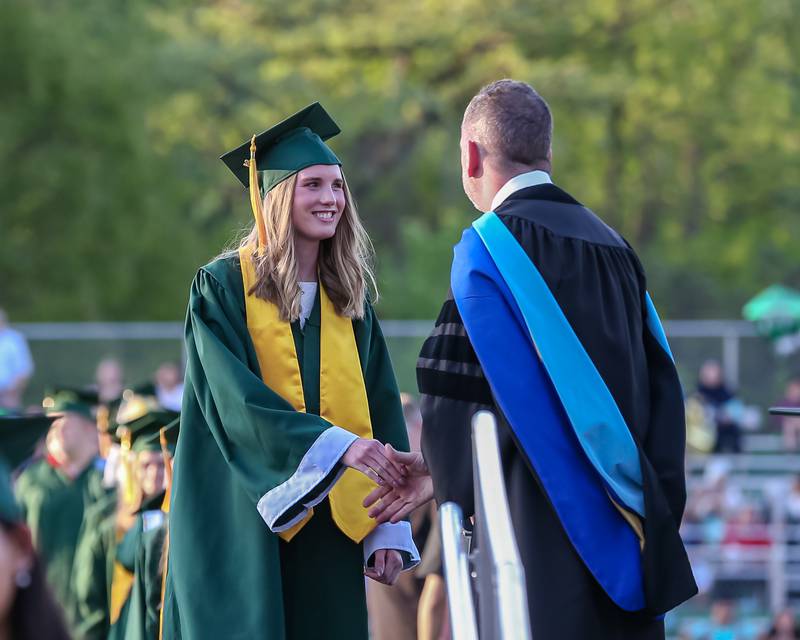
(162, 439)
(255, 196)
(128, 479)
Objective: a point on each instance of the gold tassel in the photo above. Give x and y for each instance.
(102, 418)
(162, 438)
(255, 196)
(129, 485)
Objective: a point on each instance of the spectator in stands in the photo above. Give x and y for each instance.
(169, 386)
(722, 406)
(109, 380)
(790, 426)
(16, 366)
(783, 628)
(721, 625)
(793, 502)
(711, 504)
(745, 534)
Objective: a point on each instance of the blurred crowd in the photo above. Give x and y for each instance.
(742, 519)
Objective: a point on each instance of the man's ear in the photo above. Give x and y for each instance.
(550, 155)
(474, 164)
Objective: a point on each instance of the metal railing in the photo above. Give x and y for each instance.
(498, 572)
(457, 573)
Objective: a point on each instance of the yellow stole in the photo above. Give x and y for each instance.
(342, 394)
(121, 585)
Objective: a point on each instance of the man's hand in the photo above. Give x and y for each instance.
(387, 566)
(413, 463)
(370, 458)
(392, 504)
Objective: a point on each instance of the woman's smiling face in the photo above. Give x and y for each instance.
(319, 201)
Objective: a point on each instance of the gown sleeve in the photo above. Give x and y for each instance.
(453, 388)
(90, 579)
(285, 460)
(665, 445)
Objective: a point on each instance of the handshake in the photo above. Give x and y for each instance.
(403, 485)
(403, 479)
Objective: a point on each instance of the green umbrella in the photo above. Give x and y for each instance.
(775, 311)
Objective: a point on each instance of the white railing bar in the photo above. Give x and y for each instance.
(463, 624)
(510, 601)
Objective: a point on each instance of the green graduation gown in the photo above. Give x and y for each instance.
(94, 568)
(229, 576)
(126, 553)
(145, 600)
(54, 507)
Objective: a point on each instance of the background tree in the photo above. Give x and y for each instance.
(676, 121)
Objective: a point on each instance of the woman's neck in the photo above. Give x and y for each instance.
(307, 252)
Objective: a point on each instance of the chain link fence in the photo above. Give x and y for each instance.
(67, 353)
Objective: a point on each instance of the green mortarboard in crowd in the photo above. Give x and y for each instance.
(71, 400)
(137, 399)
(132, 406)
(19, 436)
(140, 417)
(143, 389)
(164, 437)
(170, 434)
(288, 147)
(9, 509)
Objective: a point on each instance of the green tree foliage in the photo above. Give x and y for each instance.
(676, 121)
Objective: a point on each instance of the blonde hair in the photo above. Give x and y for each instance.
(344, 263)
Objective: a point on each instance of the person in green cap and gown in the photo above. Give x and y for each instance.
(27, 609)
(93, 568)
(96, 551)
(55, 491)
(289, 399)
(144, 616)
(147, 479)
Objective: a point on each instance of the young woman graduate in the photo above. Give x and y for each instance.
(289, 395)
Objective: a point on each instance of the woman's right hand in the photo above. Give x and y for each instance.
(369, 457)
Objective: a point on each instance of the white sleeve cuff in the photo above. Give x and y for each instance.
(316, 465)
(392, 536)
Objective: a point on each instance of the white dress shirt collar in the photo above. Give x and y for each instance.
(522, 181)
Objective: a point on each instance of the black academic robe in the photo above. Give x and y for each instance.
(599, 284)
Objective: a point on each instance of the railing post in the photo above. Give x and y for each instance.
(776, 569)
(502, 596)
(457, 574)
(730, 358)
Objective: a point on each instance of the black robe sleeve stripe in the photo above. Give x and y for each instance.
(453, 389)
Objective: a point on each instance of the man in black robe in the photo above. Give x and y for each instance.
(599, 285)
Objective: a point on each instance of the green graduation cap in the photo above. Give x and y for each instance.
(169, 435)
(19, 436)
(71, 400)
(165, 437)
(288, 147)
(280, 152)
(144, 431)
(9, 509)
(133, 401)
